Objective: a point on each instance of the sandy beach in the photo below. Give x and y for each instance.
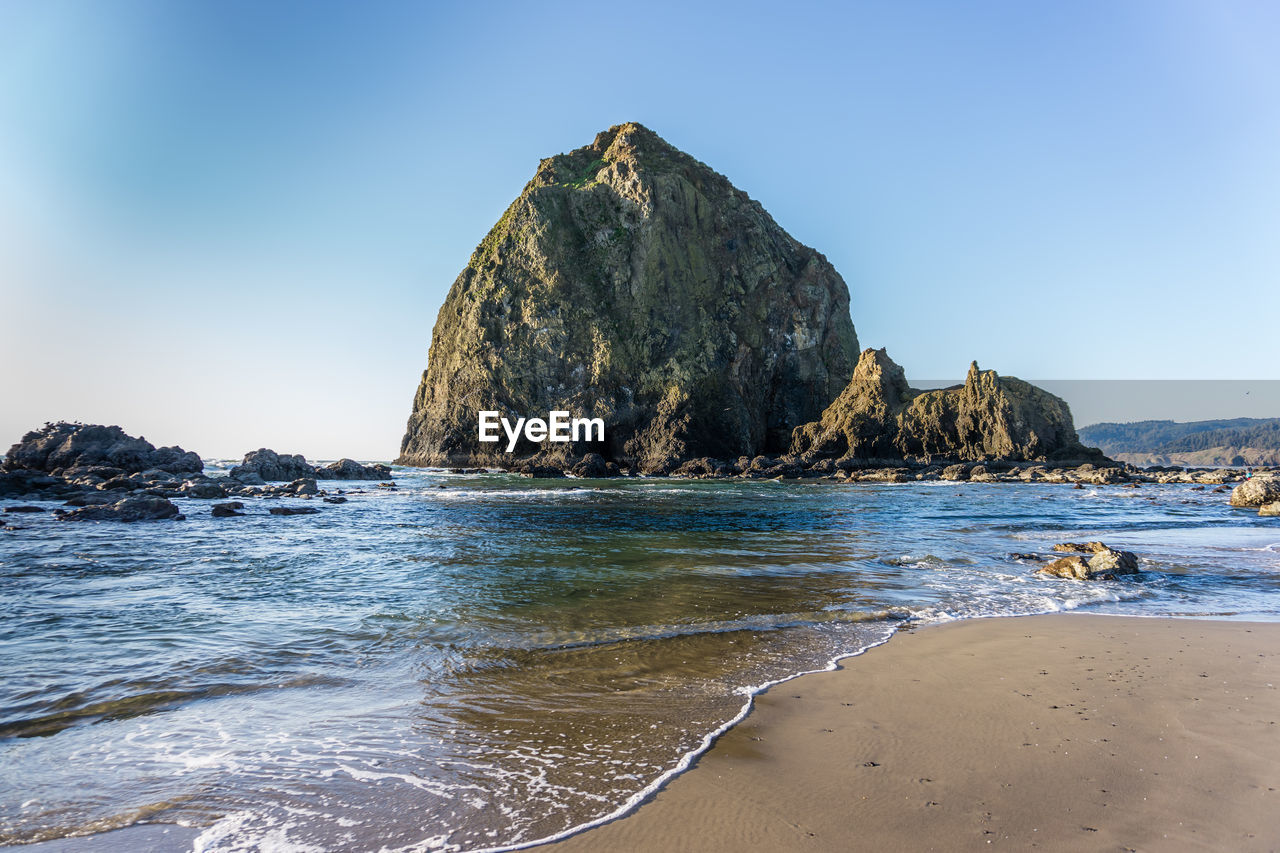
(1063, 732)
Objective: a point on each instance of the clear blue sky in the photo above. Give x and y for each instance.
(230, 224)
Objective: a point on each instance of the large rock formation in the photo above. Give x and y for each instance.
(632, 283)
(61, 446)
(878, 416)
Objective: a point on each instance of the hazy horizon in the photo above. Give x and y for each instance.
(230, 225)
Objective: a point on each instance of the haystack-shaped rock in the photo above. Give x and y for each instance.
(632, 283)
(988, 417)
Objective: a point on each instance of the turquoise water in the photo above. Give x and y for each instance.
(500, 660)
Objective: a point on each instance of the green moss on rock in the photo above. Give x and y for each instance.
(633, 283)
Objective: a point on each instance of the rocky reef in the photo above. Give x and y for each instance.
(67, 446)
(632, 283)
(107, 475)
(990, 417)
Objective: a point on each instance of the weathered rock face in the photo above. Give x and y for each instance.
(988, 417)
(1256, 491)
(133, 508)
(265, 465)
(1104, 564)
(349, 469)
(632, 283)
(55, 447)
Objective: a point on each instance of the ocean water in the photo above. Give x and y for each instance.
(480, 662)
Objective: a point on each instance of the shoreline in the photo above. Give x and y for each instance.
(804, 764)
(854, 754)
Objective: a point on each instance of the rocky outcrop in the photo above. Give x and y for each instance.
(265, 466)
(1104, 563)
(55, 448)
(632, 283)
(1256, 491)
(130, 509)
(989, 417)
(1272, 508)
(348, 469)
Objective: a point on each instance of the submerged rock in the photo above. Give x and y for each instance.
(878, 415)
(227, 510)
(130, 509)
(59, 446)
(293, 510)
(204, 490)
(1080, 547)
(632, 283)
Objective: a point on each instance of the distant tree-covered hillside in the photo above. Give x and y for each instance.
(1174, 437)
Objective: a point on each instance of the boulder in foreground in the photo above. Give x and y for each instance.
(1256, 491)
(1104, 564)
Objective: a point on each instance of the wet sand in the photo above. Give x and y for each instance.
(1064, 732)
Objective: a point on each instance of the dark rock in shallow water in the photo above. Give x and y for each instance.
(63, 445)
(203, 490)
(1100, 476)
(227, 510)
(293, 510)
(348, 469)
(264, 465)
(593, 465)
(137, 508)
(536, 470)
(92, 499)
(25, 509)
(1080, 547)
(24, 481)
(878, 415)
(632, 283)
(303, 486)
